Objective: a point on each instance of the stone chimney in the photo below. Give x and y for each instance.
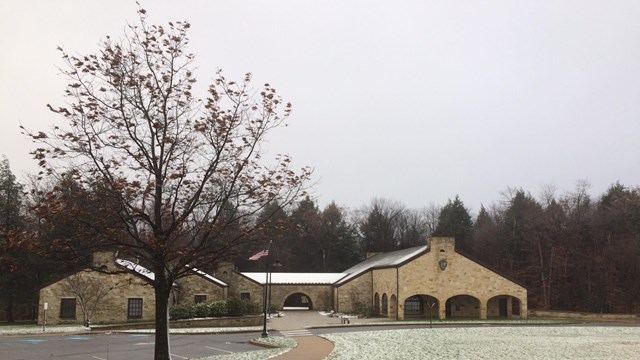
(105, 260)
(448, 244)
(224, 270)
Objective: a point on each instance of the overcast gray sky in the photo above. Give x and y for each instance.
(415, 101)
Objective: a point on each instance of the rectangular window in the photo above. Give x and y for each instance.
(134, 310)
(245, 296)
(200, 299)
(68, 308)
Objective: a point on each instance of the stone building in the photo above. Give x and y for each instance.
(420, 282)
(122, 293)
(432, 280)
(425, 281)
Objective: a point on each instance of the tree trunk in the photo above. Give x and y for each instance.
(162, 290)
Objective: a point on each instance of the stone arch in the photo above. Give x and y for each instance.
(298, 301)
(385, 305)
(376, 304)
(463, 306)
(421, 306)
(504, 306)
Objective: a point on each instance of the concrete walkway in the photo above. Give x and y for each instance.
(295, 324)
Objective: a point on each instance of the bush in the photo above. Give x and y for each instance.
(201, 310)
(362, 310)
(182, 311)
(221, 308)
(218, 308)
(237, 307)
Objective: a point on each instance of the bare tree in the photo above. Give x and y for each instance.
(172, 173)
(90, 291)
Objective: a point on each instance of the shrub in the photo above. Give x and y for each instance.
(181, 311)
(218, 308)
(237, 307)
(201, 310)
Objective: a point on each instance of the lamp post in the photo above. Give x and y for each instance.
(267, 296)
(431, 304)
(276, 264)
(264, 301)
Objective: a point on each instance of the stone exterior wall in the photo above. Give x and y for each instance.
(355, 291)
(385, 282)
(111, 309)
(239, 284)
(188, 287)
(320, 295)
(461, 276)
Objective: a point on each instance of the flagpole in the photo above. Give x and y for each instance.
(266, 287)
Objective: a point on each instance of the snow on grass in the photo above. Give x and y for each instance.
(37, 329)
(566, 342)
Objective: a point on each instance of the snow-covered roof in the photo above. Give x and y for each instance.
(137, 268)
(389, 259)
(151, 276)
(209, 277)
(295, 278)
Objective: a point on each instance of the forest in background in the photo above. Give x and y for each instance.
(570, 250)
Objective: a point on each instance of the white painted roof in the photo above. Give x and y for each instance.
(296, 278)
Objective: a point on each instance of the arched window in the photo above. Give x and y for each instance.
(385, 305)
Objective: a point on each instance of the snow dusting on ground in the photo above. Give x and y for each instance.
(37, 329)
(478, 342)
(540, 342)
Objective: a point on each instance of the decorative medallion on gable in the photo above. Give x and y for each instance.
(442, 264)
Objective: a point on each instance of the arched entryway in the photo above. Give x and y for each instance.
(503, 306)
(421, 306)
(462, 306)
(298, 301)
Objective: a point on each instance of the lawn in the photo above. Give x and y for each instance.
(523, 342)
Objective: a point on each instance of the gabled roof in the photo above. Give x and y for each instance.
(209, 277)
(150, 276)
(295, 278)
(141, 270)
(390, 259)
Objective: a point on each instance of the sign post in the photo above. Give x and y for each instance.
(44, 317)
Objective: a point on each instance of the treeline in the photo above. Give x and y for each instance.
(571, 251)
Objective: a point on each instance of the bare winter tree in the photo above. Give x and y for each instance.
(90, 292)
(171, 173)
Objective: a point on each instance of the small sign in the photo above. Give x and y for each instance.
(46, 306)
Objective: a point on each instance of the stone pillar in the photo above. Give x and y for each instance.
(442, 309)
(524, 312)
(400, 311)
(483, 310)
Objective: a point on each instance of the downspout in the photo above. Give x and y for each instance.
(397, 292)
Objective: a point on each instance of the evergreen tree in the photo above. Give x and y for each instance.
(455, 221)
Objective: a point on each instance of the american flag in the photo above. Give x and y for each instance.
(260, 254)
